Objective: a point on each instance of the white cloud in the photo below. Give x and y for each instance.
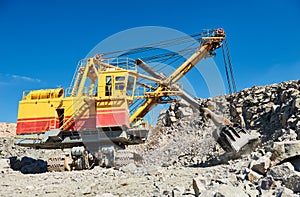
(25, 78)
(9, 79)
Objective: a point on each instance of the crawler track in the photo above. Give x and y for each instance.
(56, 163)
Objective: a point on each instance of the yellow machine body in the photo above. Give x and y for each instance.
(41, 110)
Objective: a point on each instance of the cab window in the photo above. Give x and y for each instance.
(120, 85)
(130, 85)
(120, 78)
(108, 84)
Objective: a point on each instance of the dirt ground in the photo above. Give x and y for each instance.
(156, 181)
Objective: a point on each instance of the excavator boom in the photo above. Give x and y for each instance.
(207, 45)
(231, 137)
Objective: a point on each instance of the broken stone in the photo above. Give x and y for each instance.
(296, 103)
(228, 190)
(171, 113)
(281, 171)
(172, 106)
(293, 181)
(259, 91)
(266, 183)
(275, 108)
(284, 118)
(199, 184)
(211, 105)
(129, 168)
(290, 135)
(253, 176)
(285, 192)
(173, 118)
(218, 194)
(183, 103)
(261, 165)
(178, 114)
(86, 190)
(285, 150)
(267, 108)
(166, 120)
(186, 111)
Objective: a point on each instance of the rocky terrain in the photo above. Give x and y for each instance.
(181, 157)
(7, 130)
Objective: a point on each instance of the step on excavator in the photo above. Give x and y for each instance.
(103, 110)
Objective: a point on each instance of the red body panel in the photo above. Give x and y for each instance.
(83, 123)
(36, 125)
(112, 117)
(103, 118)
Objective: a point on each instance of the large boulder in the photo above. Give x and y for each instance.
(293, 181)
(229, 191)
(286, 173)
(261, 165)
(281, 172)
(284, 150)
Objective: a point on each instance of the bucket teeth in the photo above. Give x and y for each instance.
(234, 138)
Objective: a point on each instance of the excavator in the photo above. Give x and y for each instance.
(103, 111)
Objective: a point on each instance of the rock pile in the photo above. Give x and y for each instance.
(273, 111)
(179, 138)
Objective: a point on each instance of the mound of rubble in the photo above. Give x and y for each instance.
(183, 137)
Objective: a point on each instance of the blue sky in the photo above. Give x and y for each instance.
(42, 41)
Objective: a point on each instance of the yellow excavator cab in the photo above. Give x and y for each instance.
(116, 84)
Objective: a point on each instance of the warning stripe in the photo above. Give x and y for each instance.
(38, 119)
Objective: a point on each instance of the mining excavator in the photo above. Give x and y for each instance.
(103, 110)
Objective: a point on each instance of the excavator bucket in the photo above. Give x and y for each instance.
(234, 138)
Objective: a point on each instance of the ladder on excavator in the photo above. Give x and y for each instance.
(84, 105)
(77, 78)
